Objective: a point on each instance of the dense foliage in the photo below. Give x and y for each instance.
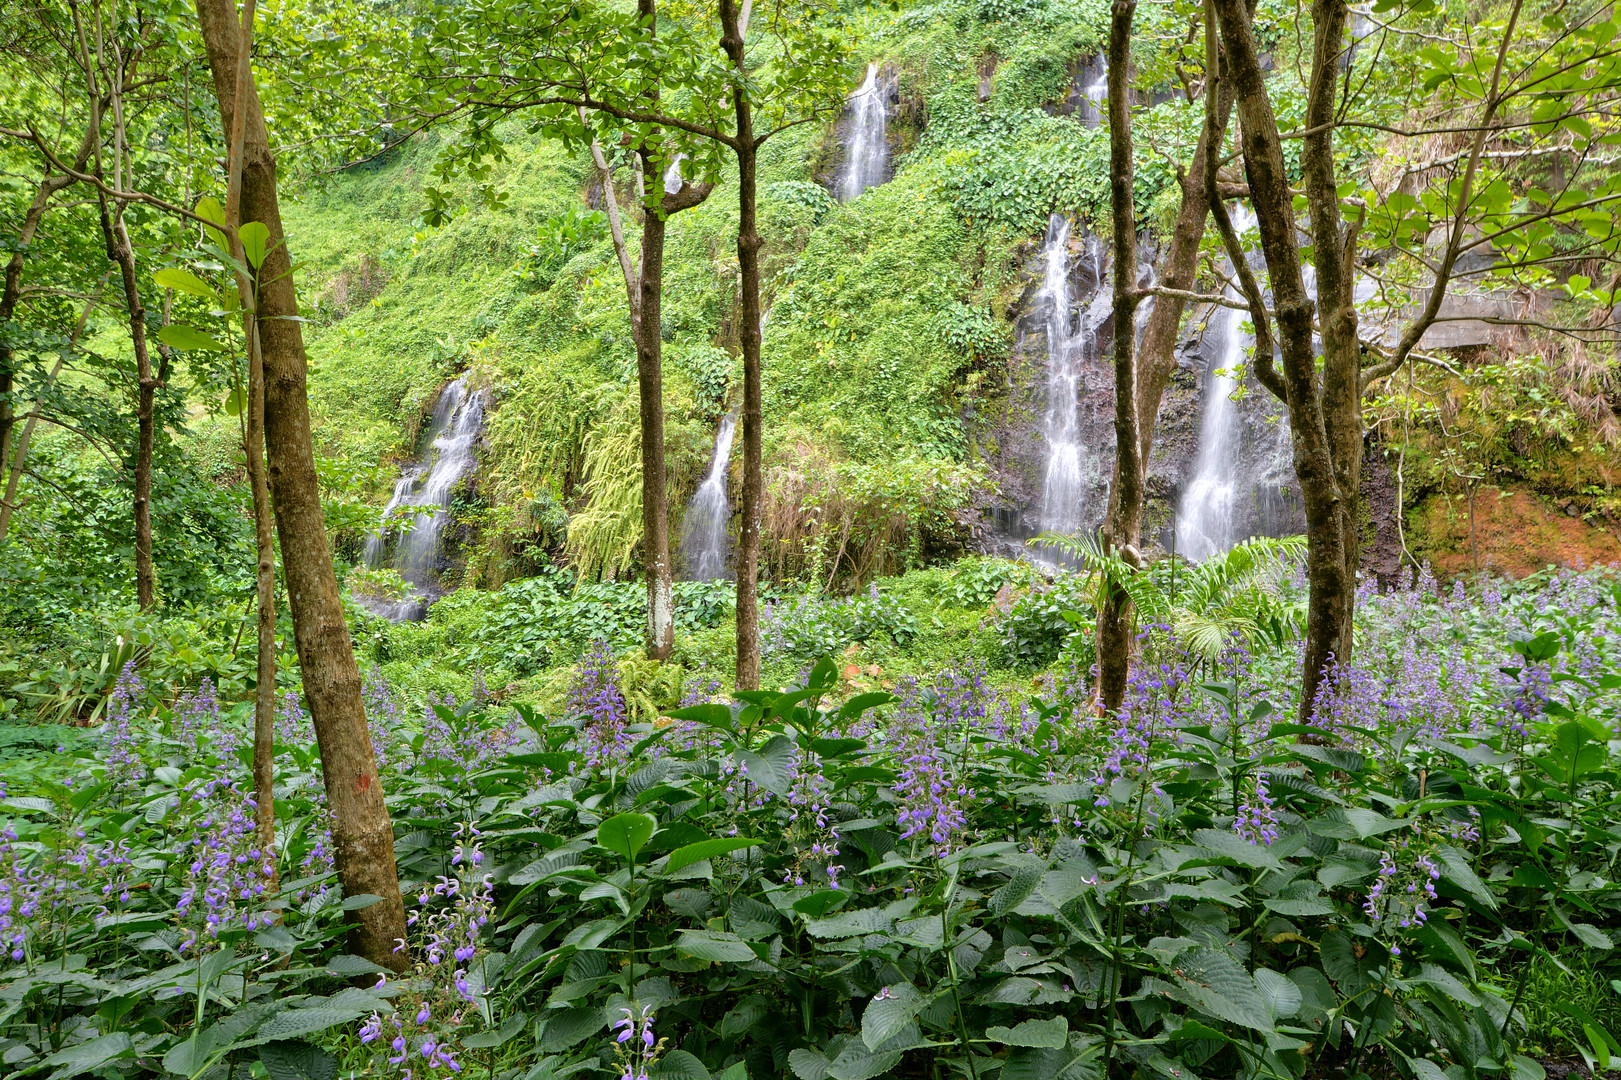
(953, 879)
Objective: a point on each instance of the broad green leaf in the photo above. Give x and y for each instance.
(209, 209)
(626, 834)
(297, 1061)
(715, 945)
(857, 1062)
(181, 280)
(679, 1065)
(891, 1011)
(1217, 984)
(255, 237)
(706, 849)
(1225, 845)
(188, 338)
(91, 1054)
(1053, 1032)
(1281, 995)
(235, 402)
(1454, 867)
(566, 1027)
(808, 1064)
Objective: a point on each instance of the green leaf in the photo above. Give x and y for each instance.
(501, 1035)
(566, 1027)
(679, 1065)
(235, 402)
(209, 209)
(181, 280)
(1217, 984)
(1281, 995)
(808, 1064)
(1229, 846)
(626, 834)
(856, 1062)
(1455, 868)
(297, 1061)
(91, 1054)
(706, 849)
(188, 338)
(1052, 1032)
(891, 1011)
(294, 1023)
(716, 945)
(847, 924)
(255, 237)
(360, 901)
(815, 905)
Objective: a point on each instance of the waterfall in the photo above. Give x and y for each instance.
(1072, 342)
(1091, 91)
(866, 146)
(704, 550)
(1207, 520)
(426, 485)
(672, 176)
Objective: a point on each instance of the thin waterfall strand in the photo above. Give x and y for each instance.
(427, 485)
(866, 150)
(1071, 466)
(705, 550)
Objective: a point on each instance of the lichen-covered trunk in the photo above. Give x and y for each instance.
(1156, 361)
(1124, 522)
(1316, 405)
(650, 383)
(748, 261)
(122, 254)
(363, 836)
(264, 693)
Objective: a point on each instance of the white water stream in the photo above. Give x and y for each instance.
(705, 551)
(1204, 524)
(1072, 341)
(866, 146)
(426, 485)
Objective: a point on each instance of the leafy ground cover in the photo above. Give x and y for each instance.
(956, 878)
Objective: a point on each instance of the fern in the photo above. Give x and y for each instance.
(1240, 593)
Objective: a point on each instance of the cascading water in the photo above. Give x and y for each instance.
(672, 175)
(1072, 341)
(704, 549)
(1243, 482)
(1091, 91)
(1204, 524)
(866, 146)
(426, 485)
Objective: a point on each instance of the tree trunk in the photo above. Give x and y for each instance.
(650, 383)
(1330, 514)
(363, 836)
(1156, 361)
(19, 456)
(122, 253)
(264, 691)
(748, 261)
(1115, 613)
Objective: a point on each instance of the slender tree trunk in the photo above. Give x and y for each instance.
(363, 836)
(1121, 531)
(19, 455)
(122, 253)
(748, 261)
(1328, 507)
(48, 186)
(253, 450)
(264, 691)
(1156, 361)
(650, 383)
